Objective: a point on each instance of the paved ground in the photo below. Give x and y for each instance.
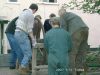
(7, 71)
(92, 73)
(4, 61)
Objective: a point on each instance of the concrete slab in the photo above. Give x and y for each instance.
(4, 60)
(7, 71)
(92, 73)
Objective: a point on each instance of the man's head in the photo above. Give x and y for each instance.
(55, 21)
(38, 16)
(52, 15)
(62, 11)
(33, 7)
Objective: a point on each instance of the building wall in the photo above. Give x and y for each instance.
(5, 41)
(0, 39)
(44, 12)
(11, 10)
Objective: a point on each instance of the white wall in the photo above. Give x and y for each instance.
(46, 9)
(11, 10)
(0, 39)
(93, 22)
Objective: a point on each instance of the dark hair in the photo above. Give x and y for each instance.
(33, 6)
(38, 16)
(52, 15)
(24, 9)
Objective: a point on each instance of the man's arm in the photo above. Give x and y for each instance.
(30, 25)
(46, 43)
(69, 42)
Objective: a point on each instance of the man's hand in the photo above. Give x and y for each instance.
(33, 39)
(33, 42)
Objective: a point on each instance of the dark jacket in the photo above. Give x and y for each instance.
(11, 26)
(47, 25)
(72, 22)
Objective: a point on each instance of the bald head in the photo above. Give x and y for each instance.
(62, 11)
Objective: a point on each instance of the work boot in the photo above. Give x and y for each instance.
(23, 71)
(12, 67)
(79, 72)
(29, 70)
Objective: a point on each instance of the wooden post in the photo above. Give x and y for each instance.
(34, 61)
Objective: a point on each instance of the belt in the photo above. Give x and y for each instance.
(19, 29)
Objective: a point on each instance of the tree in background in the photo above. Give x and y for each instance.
(88, 6)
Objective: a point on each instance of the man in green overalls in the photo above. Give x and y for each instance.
(57, 41)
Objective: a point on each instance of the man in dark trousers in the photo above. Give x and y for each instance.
(79, 34)
(15, 48)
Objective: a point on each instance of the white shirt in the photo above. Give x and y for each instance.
(25, 21)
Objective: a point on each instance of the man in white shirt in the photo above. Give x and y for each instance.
(24, 26)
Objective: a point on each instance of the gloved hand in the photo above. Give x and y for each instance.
(34, 42)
